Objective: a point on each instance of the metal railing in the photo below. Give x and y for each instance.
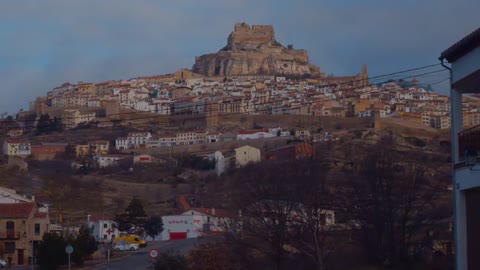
(469, 139)
(9, 235)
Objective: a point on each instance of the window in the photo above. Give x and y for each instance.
(105, 236)
(37, 228)
(10, 229)
(9, 247)
(105, 225)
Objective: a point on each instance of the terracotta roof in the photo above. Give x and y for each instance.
(16, 210)
(462, 47)
(182, 199)
(41, 215)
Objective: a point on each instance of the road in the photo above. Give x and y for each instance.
(141, 260)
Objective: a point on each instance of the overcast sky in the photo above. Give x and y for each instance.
(44, 43)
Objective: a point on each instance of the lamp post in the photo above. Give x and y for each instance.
(470, 157)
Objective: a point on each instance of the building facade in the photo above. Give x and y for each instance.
(464, 57)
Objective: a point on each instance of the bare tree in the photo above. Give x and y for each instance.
(388, 200)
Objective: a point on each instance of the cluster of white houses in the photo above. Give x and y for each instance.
(147, 140)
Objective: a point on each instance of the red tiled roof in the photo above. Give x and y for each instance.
(41, 215)
(16, 210)
(182, 199)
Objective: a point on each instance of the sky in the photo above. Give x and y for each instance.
(44, 43)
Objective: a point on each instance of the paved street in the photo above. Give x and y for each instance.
(140, 259)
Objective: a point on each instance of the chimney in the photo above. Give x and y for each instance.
(213, 211)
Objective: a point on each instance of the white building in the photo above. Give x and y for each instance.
(186, 138)
(464, 57)
(136, 139)
(109, 160)
(104, 229)
(193, 223)
(121, 143)
(16, 148)
(8, 195)
(253, 134)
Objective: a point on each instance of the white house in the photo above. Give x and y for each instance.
(104, 229)
(254, 134)
(136, 139)
(185, 138)
(213, 137)
(142, 159)
(246, 154)
(16, 148)
(8, 195)
(109, 160)
(193, 223)
(167, 140)
(223, 162)
(121, 143)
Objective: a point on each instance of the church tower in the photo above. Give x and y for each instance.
(364, 75)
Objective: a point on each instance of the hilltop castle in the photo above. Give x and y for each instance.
(253, 50)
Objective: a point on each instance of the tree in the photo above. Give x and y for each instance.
(84, 245)
(154, 226)
(314, 211)
(170, 261)
(134, 215)
(44, 124)
(57, 124)
(51, 251)
(389, 201)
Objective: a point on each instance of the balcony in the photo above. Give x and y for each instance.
(9, 235)
(468, 139)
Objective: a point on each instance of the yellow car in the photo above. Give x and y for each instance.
(134, 239)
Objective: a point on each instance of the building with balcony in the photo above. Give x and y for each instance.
(21, 229)
(464, 57)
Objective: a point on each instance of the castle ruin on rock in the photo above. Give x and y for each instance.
(253, 50)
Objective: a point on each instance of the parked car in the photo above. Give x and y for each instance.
(124, 245)
(134, 239)
(3, 263)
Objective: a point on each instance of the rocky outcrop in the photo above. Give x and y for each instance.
(254, 50)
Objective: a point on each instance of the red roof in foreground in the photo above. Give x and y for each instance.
(16, 210)
(41, 215)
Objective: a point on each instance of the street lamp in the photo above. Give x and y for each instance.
(470, 157)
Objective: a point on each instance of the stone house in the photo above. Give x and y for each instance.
(21, 229)
(246, 154)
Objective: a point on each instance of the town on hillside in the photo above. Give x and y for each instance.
(252, 159)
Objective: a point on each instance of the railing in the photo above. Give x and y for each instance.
(469, 139)
(9, 235)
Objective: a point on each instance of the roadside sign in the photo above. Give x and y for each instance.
(153, 253)
(69, 249)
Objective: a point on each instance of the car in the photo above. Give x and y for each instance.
(3, 263)
(124, 245)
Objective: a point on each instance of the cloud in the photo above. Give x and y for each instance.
(48, 42)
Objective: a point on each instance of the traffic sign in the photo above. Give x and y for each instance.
(69, 249)
(153, 253)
